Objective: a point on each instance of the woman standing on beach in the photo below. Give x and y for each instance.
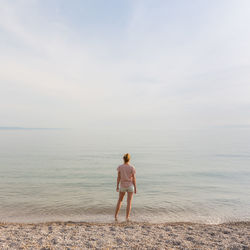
(126, 175)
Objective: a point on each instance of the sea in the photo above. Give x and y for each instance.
(184, 175)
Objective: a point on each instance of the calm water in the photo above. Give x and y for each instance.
(51, 175)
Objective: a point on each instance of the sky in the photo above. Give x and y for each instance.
(129, 64)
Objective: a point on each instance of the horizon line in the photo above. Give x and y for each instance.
(27, 128)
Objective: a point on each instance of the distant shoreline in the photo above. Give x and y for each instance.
(24, 128)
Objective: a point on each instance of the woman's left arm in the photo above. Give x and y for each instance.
(118, 181)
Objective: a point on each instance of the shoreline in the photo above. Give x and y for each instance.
(136, 235)
(124, 222)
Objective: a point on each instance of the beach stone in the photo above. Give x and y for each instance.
(176, 242)
(161, 236)
(54, 241)
(89, 245)
(235, 248)
(72, 238)
(245, 248)
(40, 241)
(13, 245)
(168, 229)
(119, 240)
(69, 245)
(172, 235)
(190, 239)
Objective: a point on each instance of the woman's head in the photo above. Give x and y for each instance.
(126, 158)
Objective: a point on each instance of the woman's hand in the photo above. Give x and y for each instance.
(117, 189)
(135, 190)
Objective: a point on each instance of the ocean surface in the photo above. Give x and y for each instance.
(70, 175)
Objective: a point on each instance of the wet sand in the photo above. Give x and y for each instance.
(81, 235)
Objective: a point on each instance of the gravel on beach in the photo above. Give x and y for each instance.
(131, 235)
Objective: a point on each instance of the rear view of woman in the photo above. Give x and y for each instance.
(127, 181)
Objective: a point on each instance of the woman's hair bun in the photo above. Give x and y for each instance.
(126, 157)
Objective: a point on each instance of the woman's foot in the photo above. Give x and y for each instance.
(127, 220)
(116, 219)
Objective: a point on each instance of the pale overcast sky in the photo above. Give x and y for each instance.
(125, 64)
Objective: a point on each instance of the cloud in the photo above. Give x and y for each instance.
(162, 65)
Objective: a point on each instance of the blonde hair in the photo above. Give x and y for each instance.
(126, 157)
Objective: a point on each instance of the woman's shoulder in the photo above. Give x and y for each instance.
(120, 166)
(132, 167)
(126, 166)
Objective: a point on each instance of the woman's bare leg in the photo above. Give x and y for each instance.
(129, 200)
(119, 203)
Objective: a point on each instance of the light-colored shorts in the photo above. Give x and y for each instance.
(128, 189)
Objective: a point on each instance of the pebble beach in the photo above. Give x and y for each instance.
(124, 235)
